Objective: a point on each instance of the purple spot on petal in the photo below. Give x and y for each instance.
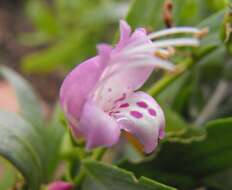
(110, 89)
(136, 114)
(121, 98)
(142, 104)
(152, 112)
(125, 105)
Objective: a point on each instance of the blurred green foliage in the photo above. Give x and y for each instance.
(29, 143)
(70, 29)
(197, 102)
(187, 165)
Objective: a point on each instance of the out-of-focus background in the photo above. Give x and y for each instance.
(42, 40)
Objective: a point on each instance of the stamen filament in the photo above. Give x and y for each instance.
(165, 43)
(142, 63)
(165, 53)
(175, 30)
(153, 62)
(150, 62)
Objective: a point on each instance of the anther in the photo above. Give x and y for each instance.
(202, 33)
(165, 54)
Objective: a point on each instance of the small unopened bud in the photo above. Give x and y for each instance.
(60, 185)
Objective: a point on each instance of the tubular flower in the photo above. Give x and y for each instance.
(100, 97)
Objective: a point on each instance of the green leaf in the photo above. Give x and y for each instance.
(106, 177)
(29, 104)
(149, 13)
(65, 53)
(50, 137)
(220, 180)
(42, 17)
(21, 144)
(213, 21)
(195, 160)
(178, 130)
(35, 153)
(146, 13)
(61, 53)
(187, 12)
(212, 40)
(81, 25)
(8, 175)
(217, 4)
(54, 135)
(31, 146)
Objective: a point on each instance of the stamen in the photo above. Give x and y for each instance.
(174, 30)
(151, 61)
(165, 43)
(155, 62)
(165, 53)
(202, 33)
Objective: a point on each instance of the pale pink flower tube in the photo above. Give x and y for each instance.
(100, 97)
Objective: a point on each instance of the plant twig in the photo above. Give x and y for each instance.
(213, 102)
(97, 155)
(170, 77)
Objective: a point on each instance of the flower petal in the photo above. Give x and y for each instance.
(125, 32)
(104, 51)
(98, 127)
(141, 115)
(77, 85)
(118, 78)
(116, 86)
(139, 37)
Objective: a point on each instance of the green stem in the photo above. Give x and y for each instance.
(169, 78)
(97, 155)
(80, 176)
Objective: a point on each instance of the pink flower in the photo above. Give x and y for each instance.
(100, 97)
(60, 185)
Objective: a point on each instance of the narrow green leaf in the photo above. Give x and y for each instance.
(8, 177)
(54, 136)
(179, 130)
(48, 138)
(212, 40)
(29, 104)
(34, 153)
(196, 160)
(21, 145)
(106, 177)
(187, 12)
(146, 13)
(221, 181)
